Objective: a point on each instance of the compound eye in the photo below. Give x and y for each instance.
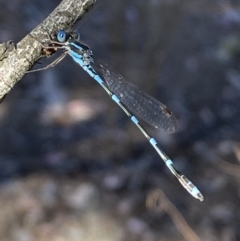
(62, 36)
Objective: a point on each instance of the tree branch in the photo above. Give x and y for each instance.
(15, 61)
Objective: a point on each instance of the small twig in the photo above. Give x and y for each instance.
(157, 200)
(229, 168)
(15, 63)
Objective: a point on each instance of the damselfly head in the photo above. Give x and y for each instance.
(64, 36)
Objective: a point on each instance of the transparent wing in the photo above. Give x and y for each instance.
(138, 102)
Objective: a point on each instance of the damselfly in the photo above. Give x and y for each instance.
(129, 98)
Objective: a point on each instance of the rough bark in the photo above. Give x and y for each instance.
(15, 60)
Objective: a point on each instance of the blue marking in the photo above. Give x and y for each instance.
(62, 36)
(153, 141)
(98, 79)
(169, 163)
(134, 119)
(115, 98)
(195, 191)
(77, 46)
(90, 72)
(79, 61)
(87, 69)
(75, 55)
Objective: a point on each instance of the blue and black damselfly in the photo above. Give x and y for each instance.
(130, 98)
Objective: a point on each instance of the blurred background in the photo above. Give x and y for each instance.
(74, 167)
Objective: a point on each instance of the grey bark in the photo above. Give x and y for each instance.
(15, 60)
